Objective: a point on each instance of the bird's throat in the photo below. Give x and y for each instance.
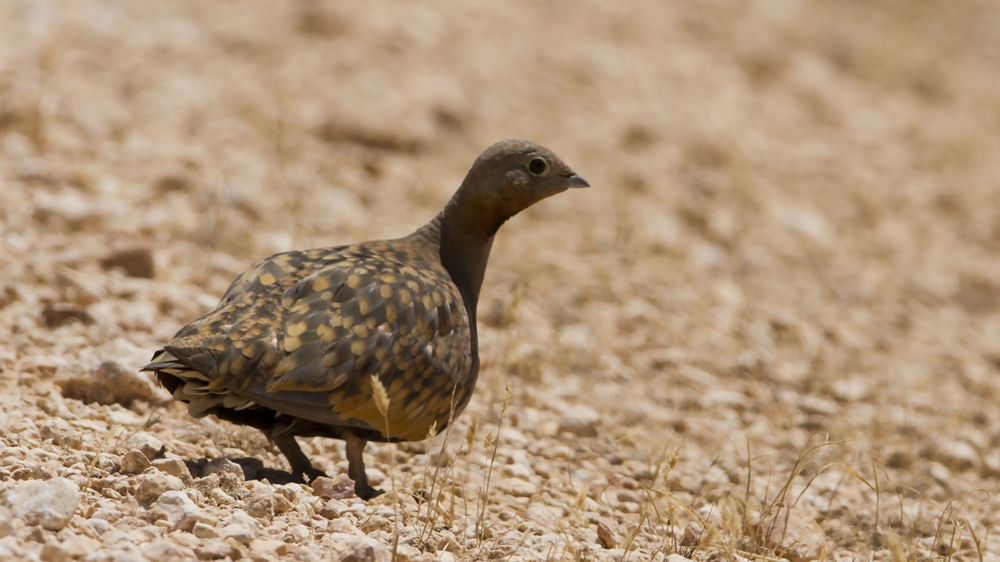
(465, 255)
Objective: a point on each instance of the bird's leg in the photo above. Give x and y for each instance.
(355, 446)
(300, 462)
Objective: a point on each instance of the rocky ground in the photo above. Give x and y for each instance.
(770, 330)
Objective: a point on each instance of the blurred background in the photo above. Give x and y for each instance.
(792, 236)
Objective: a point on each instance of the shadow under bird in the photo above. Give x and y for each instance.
(298, 339)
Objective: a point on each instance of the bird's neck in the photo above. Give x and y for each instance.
(465, 243)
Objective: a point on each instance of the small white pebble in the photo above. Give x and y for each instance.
(238, 532)
(297, 533)
(203, 531)
(221, 497)
(375, 476)
(100, 526)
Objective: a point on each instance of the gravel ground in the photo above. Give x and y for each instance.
(770, 330)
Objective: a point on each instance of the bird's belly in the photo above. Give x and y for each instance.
(419, 406)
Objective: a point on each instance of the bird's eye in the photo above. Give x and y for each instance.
(538, 165)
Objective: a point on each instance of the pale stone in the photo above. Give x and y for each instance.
(61, 433)
(153, 485)
(517, 488)
(265, 545)
(178, 510)
(958, 456)
(145, 443)
(216, 549)
(365, 549)
(173, 467)
(407, 553)
(215, 466)
(203, 531)
(375, 476)
(260, 504)
(332, 509)
(238, 532)
(721, 399)
(796, 533)
(165, 550)
(542, 515)
(134, 462)
(606, 536)
(221, 497)
(328, 488)
(100, 526)
(49, 503)
(580, 420)
(109, 382)
(53, 551)
(6, 522)
(517, 471)
(10, 549)
(240, 517)
(79, 546)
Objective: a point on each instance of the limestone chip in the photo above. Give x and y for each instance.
(49, 503)
(177, 509)
(364, 549)
(134, 462)
(153, 484)
(6, 526)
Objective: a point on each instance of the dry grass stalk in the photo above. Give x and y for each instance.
(382, 403)
(103, 447)
(896, 548)
(484, 494)
(433, 504)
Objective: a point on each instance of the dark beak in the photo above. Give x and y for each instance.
(576, 180)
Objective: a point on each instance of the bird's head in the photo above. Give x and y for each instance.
(509, 177)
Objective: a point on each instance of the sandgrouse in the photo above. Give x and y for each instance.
(295, 342)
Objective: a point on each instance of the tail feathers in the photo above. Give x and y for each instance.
(162, 360)
(186, 372)
(203, 360)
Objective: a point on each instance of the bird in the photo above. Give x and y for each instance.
(303, 342)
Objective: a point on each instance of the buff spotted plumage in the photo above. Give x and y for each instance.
(295, 343)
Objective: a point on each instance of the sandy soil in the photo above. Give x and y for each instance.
(770, 330)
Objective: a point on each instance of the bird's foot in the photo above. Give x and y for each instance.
(366, 492)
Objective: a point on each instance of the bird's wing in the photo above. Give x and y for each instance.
(308, 345)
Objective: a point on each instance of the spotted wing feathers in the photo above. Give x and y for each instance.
(303, 333)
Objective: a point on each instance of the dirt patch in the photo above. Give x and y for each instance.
(769, 329)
